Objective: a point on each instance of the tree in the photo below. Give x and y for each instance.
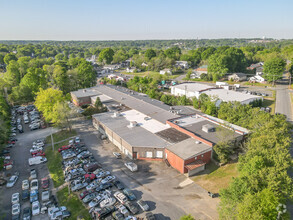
(173, 53)
(61, 115)
(23, 63)
(273, 69)
(9, 57)
(149, 54)
(86, 75)
(98, 103)
(12, 76)
(187, 217)
(45, 101)
(61, 79)
(34, 79)
(106, 56)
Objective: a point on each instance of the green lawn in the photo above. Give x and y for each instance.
(215, 178)
(258, 84)
(55, 163)
(73, 204)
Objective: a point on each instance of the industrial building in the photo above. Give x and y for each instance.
(147, 129)
(191, 90)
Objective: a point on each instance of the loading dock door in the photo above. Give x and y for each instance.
(159, 154)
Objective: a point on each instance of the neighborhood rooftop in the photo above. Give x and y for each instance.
(193, 86)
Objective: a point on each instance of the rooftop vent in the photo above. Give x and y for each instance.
(197, 142)
(208, 128)
(84, 90)
(116, 114)
(133, 124)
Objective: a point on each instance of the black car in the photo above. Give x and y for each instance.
(103, 212)
(25, 194)
(150, 216)
(103, 187)
(132, 208)
(27, 213)
(119, 185)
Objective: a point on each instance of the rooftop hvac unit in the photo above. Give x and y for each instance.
(133, 124)
(84, 90)
(208, 128)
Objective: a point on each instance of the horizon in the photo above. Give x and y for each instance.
(152, 20)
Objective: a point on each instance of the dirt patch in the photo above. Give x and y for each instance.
(192, 196)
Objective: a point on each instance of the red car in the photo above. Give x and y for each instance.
(45, 183)
(89, 176)
(34, 153)
(11, 142)
(64, 148)
(85, 193)
(40, 153)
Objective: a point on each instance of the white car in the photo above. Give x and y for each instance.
(108, 179)
(36, 208)
(71, 142)
(120, 197)
(56, 209)
(77, 140)
(25, 185)
(37, 160)
(33, 149)
(107, 202)
(12, 180)
(143, 205)
(15, 209)
(131, 166)
(34, 184)
(15, 198)
(95, 201)
(123, 210)
(45, 196)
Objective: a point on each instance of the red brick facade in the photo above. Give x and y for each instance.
(175, 161)
(206, 157)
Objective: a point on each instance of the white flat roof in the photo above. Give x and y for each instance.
(151, 125)
(230, 95)
(192, 87)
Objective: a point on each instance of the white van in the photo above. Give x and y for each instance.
(36, 160)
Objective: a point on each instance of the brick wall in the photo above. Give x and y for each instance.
(175, 161)
(206, 158)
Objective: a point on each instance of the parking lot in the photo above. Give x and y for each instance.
(20, 154)
(169, 193)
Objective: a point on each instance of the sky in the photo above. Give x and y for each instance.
(142, 20)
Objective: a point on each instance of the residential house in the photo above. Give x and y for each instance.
(258, 76)
(132, 69)
(144, 64)
(166, 71)
(182, 64)
(255, 65)
(237, 77)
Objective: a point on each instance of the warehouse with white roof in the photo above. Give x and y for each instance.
(191, 90)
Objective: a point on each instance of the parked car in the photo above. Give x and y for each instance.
(39, 153)
(61, 215)
(77, 140)
(33, 174)
(131, 207)
(34, 196)
(150, 216)
(65, 147)
(25, 194)
(131, 166)
(143, 205)
(117, 155)
(79, 186)
(96, 201)
(85, 193)
(37, 160)
(89, 177)
(15, 198)
(129, 194)
(103, 187)
(45, 183)
(51, 211)
(15, 209)
(118, 184)
(26, 213)
(108, 179)
(99, 213)
(34, 184)
(36, 208)
(102, 174)
(107, 202)
(123, 210)
(120, 197)
(89, 197)
(117, 215)
(90, 167)
(12, 180)
(45, 196)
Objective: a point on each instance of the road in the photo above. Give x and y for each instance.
(283, 99)
(169, 193)
(20, 154)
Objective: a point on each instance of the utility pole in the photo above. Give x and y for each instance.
(52, 141)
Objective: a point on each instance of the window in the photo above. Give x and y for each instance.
(202, 155)
(159, 154)
(149, 154)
